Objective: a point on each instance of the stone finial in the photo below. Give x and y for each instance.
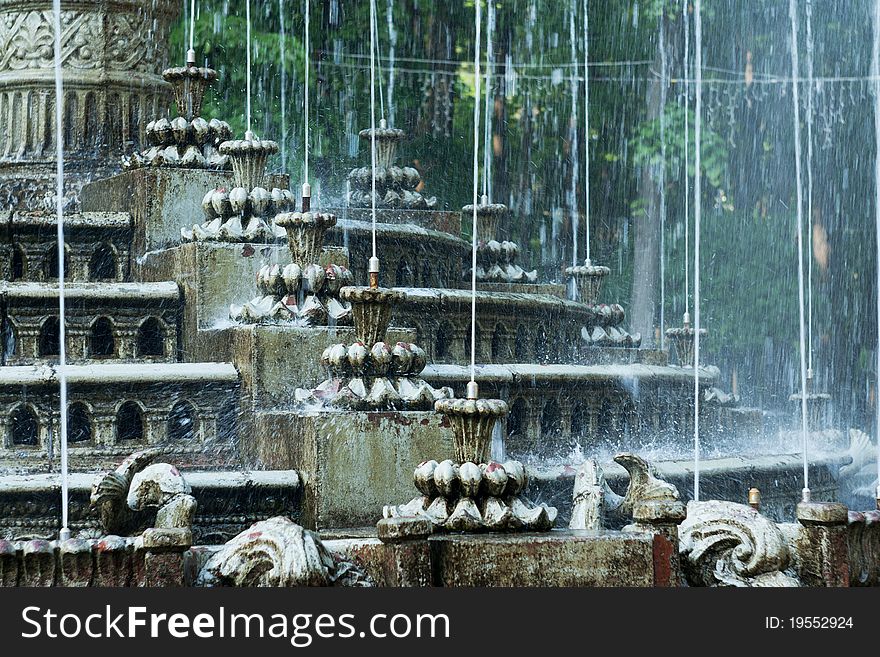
(386, 143)
(396, 187)
(248, 157)
(683, 339)
(473, 421)
(467, 497)
(189, 84)
(588, 280)
(488, 217)
(371, 311)
(305, 234)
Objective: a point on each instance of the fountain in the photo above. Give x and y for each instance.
(271, 438)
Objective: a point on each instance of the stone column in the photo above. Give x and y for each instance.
(662, 519)
(407, 553)
(822, 546)
(112, 57)
(164, 555)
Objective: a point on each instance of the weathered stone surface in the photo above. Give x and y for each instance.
(161, 201)
(9, 564)
(228, 503)
(174, 539)
(729, 544)
(77, 566)
(659, 512)
(560, 558)
(864, 548)
(113, 561)
(397, 530)
(351, 463)
(388, 564)
(822, 513)
(274, 552)
(278, 552)
(39, 563)
(822, 544)
(110, 58)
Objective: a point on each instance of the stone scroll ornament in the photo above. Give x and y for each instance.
(370, 373)
(187, 141)
(730, 544)
(141, 494)
(396, 187)
(278, 553)
(473, 493)
(596, 506)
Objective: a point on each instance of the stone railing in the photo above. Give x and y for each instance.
(154, 559)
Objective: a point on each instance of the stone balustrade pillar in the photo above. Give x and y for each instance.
(662, 518)
(822, 545)
(407, 560)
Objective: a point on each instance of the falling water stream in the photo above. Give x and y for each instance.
(573, 140)
(392, 47)
(476, 191)
(586, 135)
(875, 77)
(487, 116)
(698, 109)
(59, 215)
(661, 174)
(282, 52)
(795, 72)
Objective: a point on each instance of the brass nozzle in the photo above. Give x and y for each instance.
(755, 498)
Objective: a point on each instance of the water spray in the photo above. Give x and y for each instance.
(248, 134)
(687, 178)
(374, 260)
(64, 534)
(792, 13)
(586, 133)
(698, 108)
(307, 46)
(875, 76)
(476, 185)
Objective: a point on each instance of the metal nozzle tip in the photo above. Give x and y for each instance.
(190, 57)
(473, 390)
(64, 534)
(805, 495)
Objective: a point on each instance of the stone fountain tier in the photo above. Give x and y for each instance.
(244, 212)
(241, 215)
(489, 215)
(187, 141)
(466, 497)
(370, 374)
(683, 339)
(305, 234)
(112, 55)
(396, 187)
(189, 84)
(496, 263)
(588, 280)
(291, 294)
(228, 501)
